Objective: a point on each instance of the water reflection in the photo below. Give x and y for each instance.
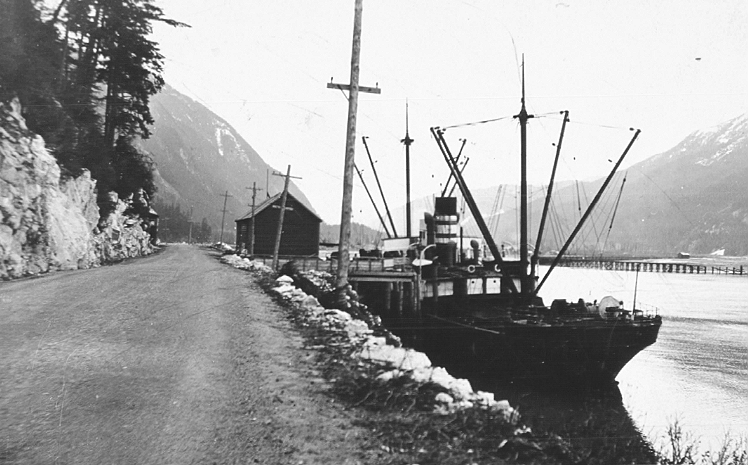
(594, 421)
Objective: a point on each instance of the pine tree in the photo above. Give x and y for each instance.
(84, 73)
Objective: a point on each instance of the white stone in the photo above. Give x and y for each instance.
(284, 279)
(310, 302)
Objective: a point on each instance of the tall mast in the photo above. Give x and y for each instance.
(407, 141)
(527, 280)
(547, 204)
(379, 215)
(381, 192)
(589, 210)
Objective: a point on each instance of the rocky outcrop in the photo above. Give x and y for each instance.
(51, 224)
(120, 235)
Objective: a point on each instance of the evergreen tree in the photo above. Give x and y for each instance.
(29, 49)
(133, 168)
(112, 52)
(85, 77)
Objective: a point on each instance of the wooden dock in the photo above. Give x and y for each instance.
(391, 282)
(682, 266)
(360, 265)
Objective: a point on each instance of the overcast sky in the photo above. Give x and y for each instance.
(665, 67)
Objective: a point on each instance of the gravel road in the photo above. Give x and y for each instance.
(170, 359)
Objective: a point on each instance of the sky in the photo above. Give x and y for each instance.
(666, 67)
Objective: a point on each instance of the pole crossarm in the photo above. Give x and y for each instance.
(368, 90)
(346, 210)
(278, 173)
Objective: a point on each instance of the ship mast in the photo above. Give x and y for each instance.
(407, 141)
(527, 281)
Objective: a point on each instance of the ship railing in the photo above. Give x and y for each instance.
(645, 310)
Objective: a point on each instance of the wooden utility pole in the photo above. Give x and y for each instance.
(189, 240)
(407, 141)
(284, 196)
(341, 281)
(223, 217)
(252, 219)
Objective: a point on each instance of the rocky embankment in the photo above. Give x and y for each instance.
(52, 223)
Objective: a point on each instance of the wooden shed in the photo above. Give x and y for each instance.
(300, 228)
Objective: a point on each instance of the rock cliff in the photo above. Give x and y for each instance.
(48, 223)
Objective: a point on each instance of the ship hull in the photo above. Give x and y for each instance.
(585, 352)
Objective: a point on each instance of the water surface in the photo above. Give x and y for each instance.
(697, 371)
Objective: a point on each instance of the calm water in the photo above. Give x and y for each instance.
(697, 371)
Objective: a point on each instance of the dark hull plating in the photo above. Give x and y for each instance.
(585, 352)
(571, 349)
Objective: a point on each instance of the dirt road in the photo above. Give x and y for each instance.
(169, 359)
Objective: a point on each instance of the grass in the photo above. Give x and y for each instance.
(683, 449)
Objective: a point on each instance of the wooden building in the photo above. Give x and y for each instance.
(300, 228)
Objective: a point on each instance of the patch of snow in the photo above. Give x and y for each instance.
(219, 143)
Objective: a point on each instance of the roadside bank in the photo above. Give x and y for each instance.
(419, 413)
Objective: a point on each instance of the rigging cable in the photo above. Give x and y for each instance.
(494, 207)
(475, 123)
(610, 198)
(615, 210)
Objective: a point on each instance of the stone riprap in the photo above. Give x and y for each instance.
(391, 361)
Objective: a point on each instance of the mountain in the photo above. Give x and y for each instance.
(691, 198)
(199, 157)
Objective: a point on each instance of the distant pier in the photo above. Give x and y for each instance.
(393, 285)
(658, 265)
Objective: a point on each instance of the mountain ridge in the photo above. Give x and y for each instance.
(199, 157)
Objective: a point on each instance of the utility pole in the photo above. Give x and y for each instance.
(350, 149)
(189, 240)
(283, 209)
(407, 141)
(252, 219)
(223, 218)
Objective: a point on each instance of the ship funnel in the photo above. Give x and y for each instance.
(445, 222)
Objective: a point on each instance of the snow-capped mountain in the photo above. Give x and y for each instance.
(199, 157)
(692, 197)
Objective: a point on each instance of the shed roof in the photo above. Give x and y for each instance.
(270, 201)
